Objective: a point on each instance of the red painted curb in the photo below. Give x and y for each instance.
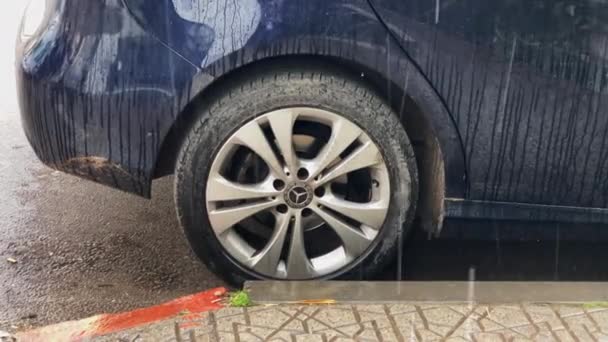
(111, 323)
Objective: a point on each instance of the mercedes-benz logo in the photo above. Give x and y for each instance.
(298, 195)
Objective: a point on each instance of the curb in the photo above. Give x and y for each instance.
(391, 292)
(105, 324)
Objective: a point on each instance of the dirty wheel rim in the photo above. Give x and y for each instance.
(297, 193)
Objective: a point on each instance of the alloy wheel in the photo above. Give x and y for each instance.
(297, 193)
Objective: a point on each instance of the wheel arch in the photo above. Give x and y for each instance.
(435, 138)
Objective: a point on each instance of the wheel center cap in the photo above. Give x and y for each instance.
(298, 195)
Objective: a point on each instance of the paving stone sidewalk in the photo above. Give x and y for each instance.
(376, 311)
(398, 322)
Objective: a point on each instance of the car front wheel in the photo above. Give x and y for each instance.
(296, 174)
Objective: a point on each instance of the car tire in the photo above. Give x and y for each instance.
(248, 96)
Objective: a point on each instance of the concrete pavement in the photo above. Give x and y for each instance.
(356, 318)
(393, 322)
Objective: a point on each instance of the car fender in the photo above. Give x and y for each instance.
(238, 35)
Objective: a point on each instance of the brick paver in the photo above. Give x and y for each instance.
(398, 322)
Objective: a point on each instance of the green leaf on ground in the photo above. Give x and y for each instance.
(240, 299)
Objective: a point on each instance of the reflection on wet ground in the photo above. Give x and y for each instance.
(507, 251)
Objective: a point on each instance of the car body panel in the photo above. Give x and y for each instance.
(233, 35)
(514, 91)
(98, 93)
(526, 83)
(115, 85)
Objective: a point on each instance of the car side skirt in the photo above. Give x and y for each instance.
(505, 211)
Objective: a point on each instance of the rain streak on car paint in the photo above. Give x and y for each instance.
(526, 84)
(166, 60)
(238, 27)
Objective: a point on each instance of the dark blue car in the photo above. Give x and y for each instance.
(309, 137)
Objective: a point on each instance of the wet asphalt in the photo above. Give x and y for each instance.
(70, 248)
(80, 248)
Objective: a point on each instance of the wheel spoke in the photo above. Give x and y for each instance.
(251, 135)
(282, 122)
(221, 189)
(355, 242)
(298, 264)
(343, 134)
(224, 218)
(267, 260)
(371, 214)
(365, 156)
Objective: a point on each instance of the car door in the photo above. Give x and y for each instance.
(526, 82)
